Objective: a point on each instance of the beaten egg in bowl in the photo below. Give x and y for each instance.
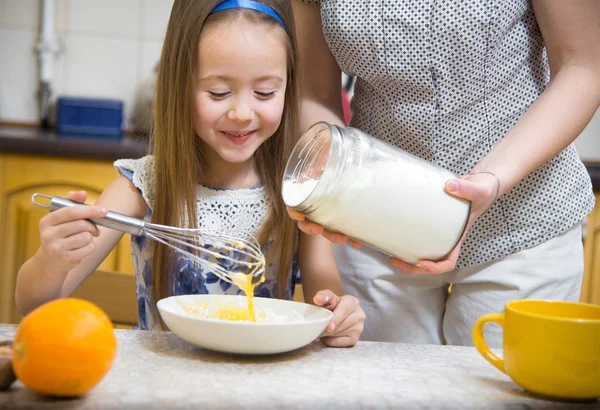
(221, 323)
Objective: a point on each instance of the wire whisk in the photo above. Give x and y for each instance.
(233, 256)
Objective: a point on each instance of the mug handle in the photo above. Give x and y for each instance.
(479, 339)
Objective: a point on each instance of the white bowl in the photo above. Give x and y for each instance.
(295, 325)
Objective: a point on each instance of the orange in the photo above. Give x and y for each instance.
(64, 347)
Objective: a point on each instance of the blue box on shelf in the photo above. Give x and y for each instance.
(89, 117)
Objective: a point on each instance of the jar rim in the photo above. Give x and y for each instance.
(306, 164)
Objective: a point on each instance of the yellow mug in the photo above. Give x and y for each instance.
(550, 348)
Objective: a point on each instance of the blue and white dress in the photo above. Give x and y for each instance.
(217, 209)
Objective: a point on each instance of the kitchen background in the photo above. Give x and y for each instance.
(109, 49)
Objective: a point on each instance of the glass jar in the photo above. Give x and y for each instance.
(382, 196)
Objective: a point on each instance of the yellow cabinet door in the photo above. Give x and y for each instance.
(21, 177)
(590, 290)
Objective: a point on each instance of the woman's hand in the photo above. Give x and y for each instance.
(348, 319)
(66, 235)
(482, 190)
(312, 228)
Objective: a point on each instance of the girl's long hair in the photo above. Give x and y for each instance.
(177, 149)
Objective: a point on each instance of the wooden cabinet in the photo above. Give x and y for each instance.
(112, 287)
(590, 290)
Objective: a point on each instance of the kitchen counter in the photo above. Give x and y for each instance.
(157, 370)
(35, 141)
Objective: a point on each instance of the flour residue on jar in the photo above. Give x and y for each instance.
(294, 193)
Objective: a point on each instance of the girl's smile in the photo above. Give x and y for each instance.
(239, 137)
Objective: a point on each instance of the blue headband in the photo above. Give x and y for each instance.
(251, 5)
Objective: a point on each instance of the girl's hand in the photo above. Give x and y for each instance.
(482, 190)
(66, 236)
(348, 319)
(312, 228)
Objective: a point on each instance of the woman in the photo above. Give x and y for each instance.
(493, 91)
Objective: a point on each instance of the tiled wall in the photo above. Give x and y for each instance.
(110, 46)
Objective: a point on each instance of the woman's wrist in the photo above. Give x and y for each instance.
(506, 176)
(498, 184)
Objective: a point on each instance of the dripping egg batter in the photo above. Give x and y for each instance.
(237, 310)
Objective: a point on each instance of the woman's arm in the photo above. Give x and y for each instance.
(321, 91)
(317, 266)
(320, 75)
(322, 286)
(571, 31)
(61, 265)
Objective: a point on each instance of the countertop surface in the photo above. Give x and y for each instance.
(35, 141)
(157, 370)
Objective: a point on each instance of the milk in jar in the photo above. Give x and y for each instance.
(384, 197)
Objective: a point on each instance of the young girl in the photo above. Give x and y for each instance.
(226, 118)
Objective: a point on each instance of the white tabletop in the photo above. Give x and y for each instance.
(157, 370)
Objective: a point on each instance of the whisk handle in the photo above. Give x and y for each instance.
(112, 220)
